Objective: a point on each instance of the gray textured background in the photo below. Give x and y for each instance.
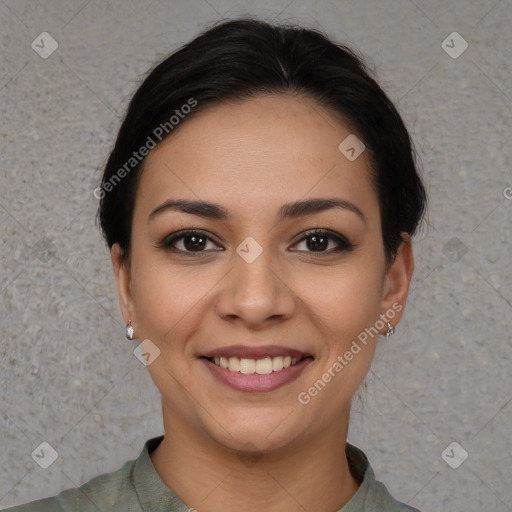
(67, 374)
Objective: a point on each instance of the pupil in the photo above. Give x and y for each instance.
(194, 239)
(316, 244)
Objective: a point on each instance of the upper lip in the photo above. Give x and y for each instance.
(252, 352)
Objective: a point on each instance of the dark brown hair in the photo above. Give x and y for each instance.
(241, 58)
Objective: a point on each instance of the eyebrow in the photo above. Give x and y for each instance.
(287, 211)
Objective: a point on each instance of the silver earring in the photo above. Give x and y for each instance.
(391, 330)
(129, 330)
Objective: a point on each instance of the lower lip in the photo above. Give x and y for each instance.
(255, 383)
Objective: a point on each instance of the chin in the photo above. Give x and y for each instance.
(255, 436)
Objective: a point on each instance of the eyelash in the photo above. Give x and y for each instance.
(343, 243)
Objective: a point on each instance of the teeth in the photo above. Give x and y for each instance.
(247, 366)
(264, 366)
(259, 366)
(234, 364)
(277, 363)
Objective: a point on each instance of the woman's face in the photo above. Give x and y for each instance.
(255, 283)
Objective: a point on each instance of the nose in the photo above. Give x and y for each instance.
(256, 292)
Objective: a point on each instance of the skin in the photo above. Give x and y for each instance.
(252, 157)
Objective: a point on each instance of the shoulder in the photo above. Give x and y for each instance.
(382, 500)
(110, 491)
(372, 495)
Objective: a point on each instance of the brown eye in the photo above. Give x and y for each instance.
(194, 242)
(319, 240)
(187, 241)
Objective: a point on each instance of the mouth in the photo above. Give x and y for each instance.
(262, 366)
(256, 368)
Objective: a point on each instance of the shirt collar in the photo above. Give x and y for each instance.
(362, 471)
(153, 493)
(155, 496)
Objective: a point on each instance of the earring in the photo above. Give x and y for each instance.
(391, 330)
(129, 330)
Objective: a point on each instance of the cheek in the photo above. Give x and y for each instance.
(342, 300)
(167, 297)
(346, 300)
(345, 305)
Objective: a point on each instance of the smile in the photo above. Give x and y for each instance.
(261, 366)
(255, 369)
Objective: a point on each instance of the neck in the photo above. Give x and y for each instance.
(312, 474)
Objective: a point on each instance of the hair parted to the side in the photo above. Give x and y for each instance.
(242, 58)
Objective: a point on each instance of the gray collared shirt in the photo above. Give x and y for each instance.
(137, 487)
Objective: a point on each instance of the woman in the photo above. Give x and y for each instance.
(259, 205)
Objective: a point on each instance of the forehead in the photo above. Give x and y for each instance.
(257, 151)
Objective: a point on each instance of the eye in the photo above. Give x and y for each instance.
(188, 241)
(318, 240)
(193, 241)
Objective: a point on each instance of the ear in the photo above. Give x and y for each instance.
(396, 282)
(123, 281)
